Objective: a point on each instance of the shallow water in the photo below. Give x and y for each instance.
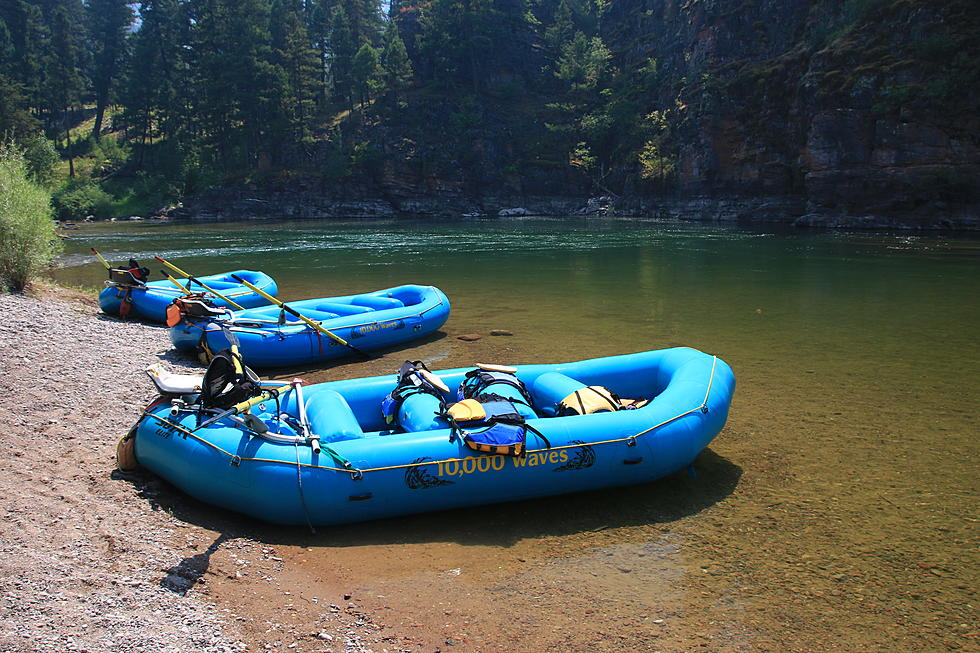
(837, 509)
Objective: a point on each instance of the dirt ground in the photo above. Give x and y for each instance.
(772, 556)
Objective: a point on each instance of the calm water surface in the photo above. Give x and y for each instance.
(838, 508)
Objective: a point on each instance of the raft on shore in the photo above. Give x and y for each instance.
(268, 336)
(349, 464)
(150, 300)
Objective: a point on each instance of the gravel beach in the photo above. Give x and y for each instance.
(90, 561)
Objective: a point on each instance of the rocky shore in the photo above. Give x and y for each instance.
(92, 559)
(302, 202)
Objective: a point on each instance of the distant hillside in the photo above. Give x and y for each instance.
(853, 112)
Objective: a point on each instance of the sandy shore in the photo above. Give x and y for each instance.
(92, 561)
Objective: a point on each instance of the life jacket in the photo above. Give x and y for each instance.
(410, 381)
(478, 382)
(596, 399)
(490, 425)
(197, 305)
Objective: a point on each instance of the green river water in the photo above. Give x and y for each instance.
(837, 510)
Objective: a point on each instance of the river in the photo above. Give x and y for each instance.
(837, 510)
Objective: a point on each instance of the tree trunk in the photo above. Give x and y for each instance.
(99, 117)
(71, 157)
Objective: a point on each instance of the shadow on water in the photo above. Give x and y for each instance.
(662, 501)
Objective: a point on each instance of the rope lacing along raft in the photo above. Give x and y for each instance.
(357, 473)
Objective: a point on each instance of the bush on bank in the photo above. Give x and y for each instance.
(28, 241)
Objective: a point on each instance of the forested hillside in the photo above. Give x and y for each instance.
(719, 109)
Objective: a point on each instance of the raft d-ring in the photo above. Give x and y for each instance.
(704, 409)
(631, 441)
(236, 461)
(356, 475)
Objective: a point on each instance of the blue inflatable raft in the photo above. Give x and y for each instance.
(332, 457)
(150, 300)
(270, 337)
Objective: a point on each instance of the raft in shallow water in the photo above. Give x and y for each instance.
(150, 301)
(367, 471)
(268, 337)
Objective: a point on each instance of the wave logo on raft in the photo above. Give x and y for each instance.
(417, 477)
(583, 457)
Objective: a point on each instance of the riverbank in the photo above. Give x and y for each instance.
(93, 559)
(301, 202)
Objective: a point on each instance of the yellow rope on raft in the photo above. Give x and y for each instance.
(631, 438)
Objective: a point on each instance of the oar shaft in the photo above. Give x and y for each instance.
(186, 291)
(99, 256)
(198, 282)
(238, 408)
(293, 311)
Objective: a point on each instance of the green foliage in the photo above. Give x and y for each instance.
(108, 155)
(79, 198)
(366, 72)
(394, 60)
(27, 237)
(583, 62)
(41, 157)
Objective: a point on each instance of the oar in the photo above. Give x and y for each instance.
(239, 408)
(99, 256)
(187, 291)
(294, 312)
(198, 282)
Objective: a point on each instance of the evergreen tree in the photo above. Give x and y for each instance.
(319, 19)
(15, 117)
(366, 21)
(394, 60)
(64, 84)
(109, 23)
(366, 72)
(298, 61)
(21, 63)
(158, 89)
(240, 89)
(342, 51)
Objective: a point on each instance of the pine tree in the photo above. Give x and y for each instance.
(319, 17)
(15, 117)
(64, 84)
(394, 60)
(298, 61)
(366, 72)
(109, 23)
(240, 88)
(342, 51)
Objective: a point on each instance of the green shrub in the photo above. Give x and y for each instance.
(41, 157)
(27, 238)
(109, 155)
(79, 198)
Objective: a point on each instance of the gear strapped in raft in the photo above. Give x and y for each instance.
(492, 425)
(413, 378)
(596, 399)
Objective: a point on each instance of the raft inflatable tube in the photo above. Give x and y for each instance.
(150, 301)
(359, 468)
(269, 337)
